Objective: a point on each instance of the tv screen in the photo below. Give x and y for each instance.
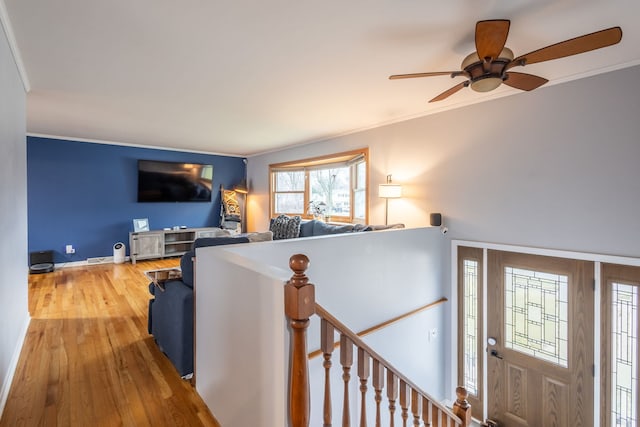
(174, 182)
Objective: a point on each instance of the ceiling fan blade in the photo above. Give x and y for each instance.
(570, 47)
(524, 81)
(411, 76)
(491, 37)
(447, 93)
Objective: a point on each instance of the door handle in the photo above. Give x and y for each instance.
(495, 353)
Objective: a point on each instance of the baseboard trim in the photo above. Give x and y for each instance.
(6, 386)
(88, 261)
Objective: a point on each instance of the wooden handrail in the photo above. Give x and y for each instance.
(384, 324)
(299, 306)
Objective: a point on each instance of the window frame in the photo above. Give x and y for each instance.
(348, 158)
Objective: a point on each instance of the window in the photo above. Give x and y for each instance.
(471, 348)
(335, 185)
(469, 326)
(620, 375)
(624, 355)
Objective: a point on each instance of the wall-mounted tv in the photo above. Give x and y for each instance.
(174, 182)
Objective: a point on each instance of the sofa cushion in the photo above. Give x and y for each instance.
(285, 227)
(384, 227)
(360, 227)
(264, 236)
(306, 228)
(186, 263)
(322, 228)
(218, 241)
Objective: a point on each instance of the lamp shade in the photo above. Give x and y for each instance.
(242, 187)
(390, 191)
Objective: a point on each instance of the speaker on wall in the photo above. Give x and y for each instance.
(435, 219)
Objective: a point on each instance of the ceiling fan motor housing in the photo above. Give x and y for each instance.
(486, 76)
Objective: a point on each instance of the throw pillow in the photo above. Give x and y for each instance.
(230, 205)
(284, 227)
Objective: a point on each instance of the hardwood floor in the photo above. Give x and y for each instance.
(88, 359)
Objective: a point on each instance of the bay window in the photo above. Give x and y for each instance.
(334, 187)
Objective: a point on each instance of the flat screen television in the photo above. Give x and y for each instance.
(174, 182)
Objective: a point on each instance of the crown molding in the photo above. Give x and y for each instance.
(127, 144)
(13, 45)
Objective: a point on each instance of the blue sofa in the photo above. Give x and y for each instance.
(285, 227)
(171, 310)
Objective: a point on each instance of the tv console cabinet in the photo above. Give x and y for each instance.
(165, 243)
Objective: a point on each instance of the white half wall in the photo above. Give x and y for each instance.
(361, 278)
(14, 315)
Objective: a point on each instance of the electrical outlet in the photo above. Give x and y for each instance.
(70, 249)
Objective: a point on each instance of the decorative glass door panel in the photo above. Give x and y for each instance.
(536, 321)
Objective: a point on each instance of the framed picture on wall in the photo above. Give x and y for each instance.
(140, 224)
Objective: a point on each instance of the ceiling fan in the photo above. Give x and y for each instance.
(488, 67)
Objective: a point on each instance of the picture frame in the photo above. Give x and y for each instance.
(141, 224)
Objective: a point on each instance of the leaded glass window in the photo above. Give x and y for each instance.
(470, 326)
(624, 358)
(536, 314)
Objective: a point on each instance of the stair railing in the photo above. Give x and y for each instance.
(300, 305)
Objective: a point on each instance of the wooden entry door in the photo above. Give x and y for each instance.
(540, 346)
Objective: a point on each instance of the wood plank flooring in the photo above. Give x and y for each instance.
(88, 359)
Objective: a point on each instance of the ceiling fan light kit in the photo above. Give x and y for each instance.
(488, 67)
(483, 76)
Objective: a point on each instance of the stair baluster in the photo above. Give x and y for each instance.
(415, 408)
(426, 411)
(404, 403)
(363, 374)
(392, 395)
(346, 360)
(378, 385)
(326, 345)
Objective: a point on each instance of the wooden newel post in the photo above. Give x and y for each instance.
(299, 306)
(461, 407)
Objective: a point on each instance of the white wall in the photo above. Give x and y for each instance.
(554, 168)
(240, 356)
(362, 278)
(14, 316)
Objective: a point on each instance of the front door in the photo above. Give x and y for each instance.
(540, 345)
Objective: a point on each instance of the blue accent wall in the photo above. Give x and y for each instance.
(85, 194)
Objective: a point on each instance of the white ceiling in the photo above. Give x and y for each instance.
(243, 77)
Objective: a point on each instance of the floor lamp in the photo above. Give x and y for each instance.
(388, 191)
(244, 190)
